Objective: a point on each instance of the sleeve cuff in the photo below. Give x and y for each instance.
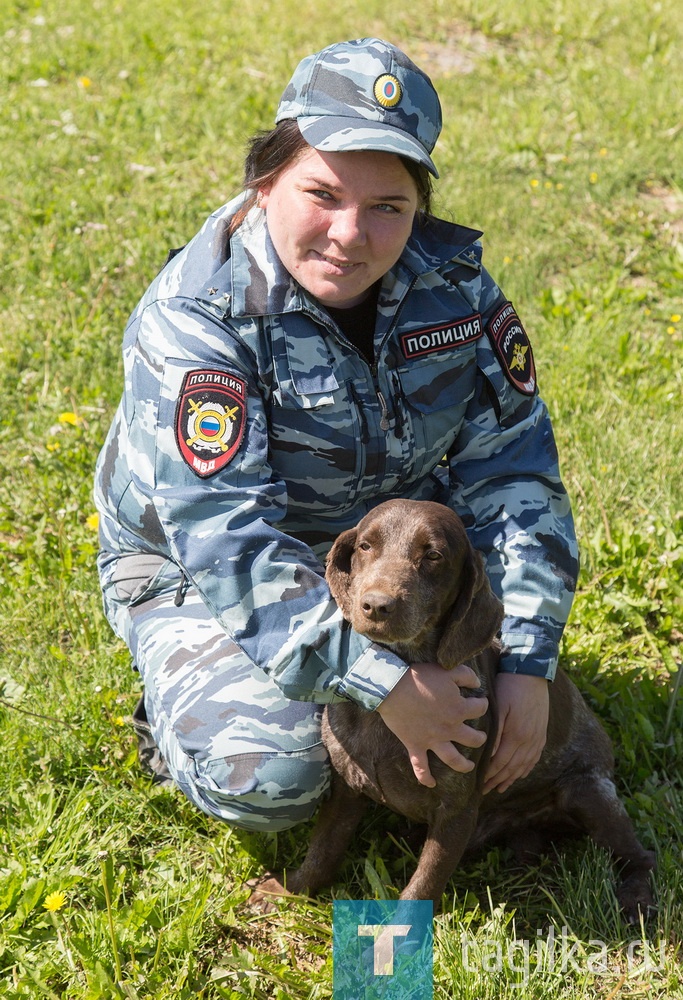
(374, 674)
(528, 654)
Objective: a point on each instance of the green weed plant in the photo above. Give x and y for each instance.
(122, 126)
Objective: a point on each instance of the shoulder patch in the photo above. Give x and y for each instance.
(210, 419)
(513, 349)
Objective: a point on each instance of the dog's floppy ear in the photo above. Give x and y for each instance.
(475, 616)
(338, 569)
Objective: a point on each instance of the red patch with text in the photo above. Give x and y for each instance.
(210, 419)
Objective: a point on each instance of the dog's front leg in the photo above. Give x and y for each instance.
(337, 820)
(444, 846)
(338, 817)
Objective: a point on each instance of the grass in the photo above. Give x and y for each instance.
(123, 126)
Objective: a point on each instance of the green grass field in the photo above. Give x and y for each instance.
(122, 125)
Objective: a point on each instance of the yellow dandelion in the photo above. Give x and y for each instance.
(534, 182)
(671, 330)
(603, 152)
(52, 445)
(84, 82)
(559, 186)
(675, 318)
(593, 178)
(507, 260)
(54, 901)
(93, 521)
(69, 418)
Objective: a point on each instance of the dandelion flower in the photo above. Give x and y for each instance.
(85, 82)
(93, 522)
(69, 418)
(54, 901)
(593, 178)
(675, 318)
(534, 183)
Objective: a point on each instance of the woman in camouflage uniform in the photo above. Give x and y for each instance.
(323, 344)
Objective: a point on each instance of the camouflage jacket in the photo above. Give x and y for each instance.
(250, 432)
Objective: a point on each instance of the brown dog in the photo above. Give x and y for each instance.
(408, 578)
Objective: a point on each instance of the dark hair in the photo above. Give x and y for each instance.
(271, 151)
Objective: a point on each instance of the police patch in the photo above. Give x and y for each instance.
(210, 418)
(440, 338)
(512, 346)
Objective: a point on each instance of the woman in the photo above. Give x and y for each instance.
(321, 345)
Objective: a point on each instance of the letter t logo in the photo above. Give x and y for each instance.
(383, 948)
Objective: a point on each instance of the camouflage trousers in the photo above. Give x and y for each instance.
(231, 741)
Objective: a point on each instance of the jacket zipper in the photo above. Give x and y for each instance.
(384, 419)
(384, 422)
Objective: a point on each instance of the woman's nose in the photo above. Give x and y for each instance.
(346, 227)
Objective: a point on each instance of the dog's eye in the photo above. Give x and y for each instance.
(433, 555)
(364, 546)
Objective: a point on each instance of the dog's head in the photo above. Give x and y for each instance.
(408, 570)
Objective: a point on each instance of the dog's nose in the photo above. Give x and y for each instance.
(376, 605)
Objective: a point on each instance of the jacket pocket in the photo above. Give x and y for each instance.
(436, 395)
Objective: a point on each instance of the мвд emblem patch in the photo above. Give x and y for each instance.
(210, 419)
(512, 346)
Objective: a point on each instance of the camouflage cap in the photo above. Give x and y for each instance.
(364, 94)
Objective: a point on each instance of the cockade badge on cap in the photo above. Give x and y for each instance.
(387, 90)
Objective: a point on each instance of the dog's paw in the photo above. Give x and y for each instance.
(635, 911)
(636, 898)
(266, 890)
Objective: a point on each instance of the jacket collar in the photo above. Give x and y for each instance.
(260, 284)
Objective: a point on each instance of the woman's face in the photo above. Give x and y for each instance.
(339, 221)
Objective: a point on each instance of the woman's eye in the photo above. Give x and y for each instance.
(385, 207)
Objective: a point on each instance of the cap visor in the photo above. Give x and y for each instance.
(342, 135)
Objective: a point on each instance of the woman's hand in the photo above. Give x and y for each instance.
(426, 711)
(523, 706)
